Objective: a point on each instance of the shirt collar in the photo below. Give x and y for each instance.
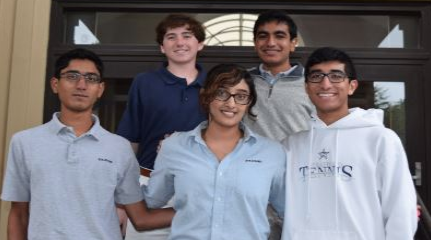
(196, 134)
(59, 128)
(268, 75)
(170, 78)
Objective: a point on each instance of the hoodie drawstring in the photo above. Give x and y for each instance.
(336, 180)
(307, 184)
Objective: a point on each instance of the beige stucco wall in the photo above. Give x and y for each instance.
(24, 29)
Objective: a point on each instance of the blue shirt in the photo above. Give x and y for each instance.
(218, 200)
(160, 103)
(71, 183)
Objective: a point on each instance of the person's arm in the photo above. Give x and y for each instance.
(144, 219)
(135, 147)
(278, 187)
(122, 217)
(398, 196)
(18, 221)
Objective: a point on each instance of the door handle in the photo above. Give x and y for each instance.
(417, 178)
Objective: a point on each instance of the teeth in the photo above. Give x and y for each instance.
(326, 94)
(271, 51)
(230, 114)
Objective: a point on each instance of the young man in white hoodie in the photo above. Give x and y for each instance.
(348, 176)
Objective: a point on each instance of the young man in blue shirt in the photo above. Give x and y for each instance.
(65, 177)
(165, 100)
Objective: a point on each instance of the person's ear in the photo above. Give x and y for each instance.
(293, 44)
(353, 85)
(162, 49)
(101, 89)
(200, 46)
(54, 84)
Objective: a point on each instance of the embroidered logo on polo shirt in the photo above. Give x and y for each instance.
(104, 160)
(253, 160)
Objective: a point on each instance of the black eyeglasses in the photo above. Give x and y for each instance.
(239, 98)
(76, 76)
(334, 77)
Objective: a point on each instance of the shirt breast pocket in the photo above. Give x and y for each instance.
(253, 178)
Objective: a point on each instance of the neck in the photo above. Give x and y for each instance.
(330, 118)
(218, 133)
(187, 71)
(80, 122)
(276, 69)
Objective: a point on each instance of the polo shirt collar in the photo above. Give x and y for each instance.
(196, 134)
(59, 128)
(170, 78)
(297, 70)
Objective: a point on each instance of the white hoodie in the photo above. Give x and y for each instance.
(349, 181)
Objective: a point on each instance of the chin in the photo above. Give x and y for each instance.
(79, 109)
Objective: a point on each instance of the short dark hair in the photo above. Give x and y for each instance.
(222, 76)
(179, 20)
(77, 53)
(327, 54)
(276, 16)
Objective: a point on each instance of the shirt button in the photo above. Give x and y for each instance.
(220, 173)
(219, 199)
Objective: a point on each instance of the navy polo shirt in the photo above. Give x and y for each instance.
(160, 103)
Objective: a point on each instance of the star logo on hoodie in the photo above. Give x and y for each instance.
(323, 155)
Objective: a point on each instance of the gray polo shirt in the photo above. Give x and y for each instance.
(72, 183)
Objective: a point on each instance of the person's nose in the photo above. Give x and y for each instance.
(325, 83)
(230, 101)
(271, 41)
(81, 83)
(180, 41)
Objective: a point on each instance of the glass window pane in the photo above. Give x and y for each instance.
(358, 31)
(113, 102)
(388, 96)
(376, 31)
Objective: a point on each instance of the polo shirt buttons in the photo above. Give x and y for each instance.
(72, 156)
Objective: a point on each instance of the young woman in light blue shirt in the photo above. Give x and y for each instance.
(222, 174)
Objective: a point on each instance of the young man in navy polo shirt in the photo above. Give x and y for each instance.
(165, 100)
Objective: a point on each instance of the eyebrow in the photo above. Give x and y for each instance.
(331, 71)
(275, 32)
(181, 33)
(76, 71)
(242, 91)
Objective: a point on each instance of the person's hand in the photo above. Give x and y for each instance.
(122, 217)
(419, 212)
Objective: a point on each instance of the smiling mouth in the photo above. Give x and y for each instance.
(326, 94)
(228, 113)
(271, 51)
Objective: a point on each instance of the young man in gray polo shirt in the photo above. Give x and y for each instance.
(282, 106)
(65, 177)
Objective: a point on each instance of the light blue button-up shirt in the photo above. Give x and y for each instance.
(219, 199)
